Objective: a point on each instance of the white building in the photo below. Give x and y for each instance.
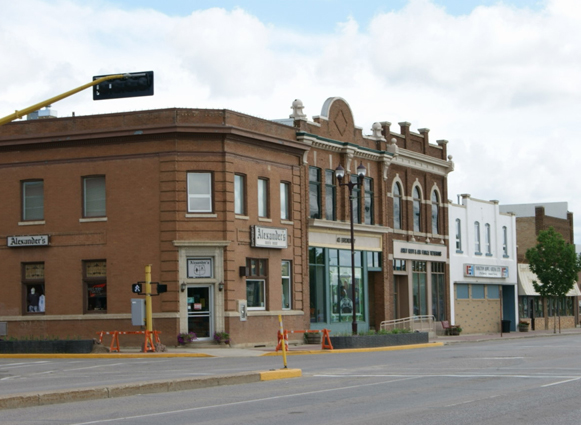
(483, 266)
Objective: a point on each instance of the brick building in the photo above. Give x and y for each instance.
(241, 217)
(530, 220)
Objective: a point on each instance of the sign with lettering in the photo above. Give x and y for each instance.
(268, 237)
(27, 241)
(199, 268)
(478, 270)
(423, 252)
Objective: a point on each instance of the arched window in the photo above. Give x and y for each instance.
(477, 238)
(458, 235)
(417, 210)
(435, 213)
(397, 206)
(488, 241)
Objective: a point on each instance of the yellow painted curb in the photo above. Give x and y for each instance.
(359, 350)
(101, 356)
(271, 375)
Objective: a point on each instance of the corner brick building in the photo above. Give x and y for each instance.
(241, 217)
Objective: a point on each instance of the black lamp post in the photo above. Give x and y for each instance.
(340, 173)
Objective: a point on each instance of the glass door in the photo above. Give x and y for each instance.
(200, 312)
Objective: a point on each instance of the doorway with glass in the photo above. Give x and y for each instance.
(200, 311)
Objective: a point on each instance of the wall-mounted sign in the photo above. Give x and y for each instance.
(27, 241)
(268, 237)
(477, 270)
(417, 251)
(199, 268)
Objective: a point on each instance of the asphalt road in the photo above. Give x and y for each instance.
(533, 381)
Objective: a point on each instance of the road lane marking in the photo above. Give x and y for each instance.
(561, 382)
(237, 403)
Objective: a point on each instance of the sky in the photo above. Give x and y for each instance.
(500, 80)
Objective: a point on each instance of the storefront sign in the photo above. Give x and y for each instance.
(199, 268)
(416, 251)
(27, 241)
(268, 237)
(476, 270)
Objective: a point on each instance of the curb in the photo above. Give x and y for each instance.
(357, 350)
(32, 399)
(102, 356)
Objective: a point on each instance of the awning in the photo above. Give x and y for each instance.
(526, 278)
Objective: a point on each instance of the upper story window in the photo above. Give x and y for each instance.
(435, 213)
(33, 200)
(477, 238)
(368, 200)
(417, 202)
(504, 241)
(356, 200)
(239, 194)
(397, 193)
(285, 201)
(314, 192)
(199, 192)
(488, 239)
(330, 195)
(458, 235)
(262, 198)
(94, 199)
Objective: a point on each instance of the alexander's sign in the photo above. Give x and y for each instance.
(268, 237)
(27, 241)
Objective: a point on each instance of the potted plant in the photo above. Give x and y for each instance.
(222, 337)
(186, 338)
(523, 326)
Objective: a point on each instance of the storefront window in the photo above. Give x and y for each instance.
(95, 280)
(33, 287)
(420, 292)
(341, 288)
(318, 311)
(438, 291)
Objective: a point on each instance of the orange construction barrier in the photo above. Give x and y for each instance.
(325, 340)
(148, 346)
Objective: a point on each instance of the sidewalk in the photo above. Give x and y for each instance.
(454, 339)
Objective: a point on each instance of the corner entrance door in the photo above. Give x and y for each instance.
(200, 317)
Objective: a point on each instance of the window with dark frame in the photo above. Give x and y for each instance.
(330, 195)
(239, 194)
(95, 286)
(286, 285)
(263, 210)
(368, 200)
(34, 301)
(257, 275)
(417, 204)
(33, 200)
(438, 290)
(199, 192)
(356, 200)
(435, 213)
(314, 192)
(397, 194)
(285, 210)
(94, 197)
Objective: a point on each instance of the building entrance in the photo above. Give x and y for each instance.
(200, 310)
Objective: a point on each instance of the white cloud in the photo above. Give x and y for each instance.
(501, 84)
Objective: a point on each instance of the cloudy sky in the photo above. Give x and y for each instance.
(500, 80)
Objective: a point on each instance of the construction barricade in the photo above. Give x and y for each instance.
(325, 339)
(151, 338)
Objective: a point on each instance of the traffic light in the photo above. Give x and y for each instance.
(161, 288)
(130, 85)
(137, 288)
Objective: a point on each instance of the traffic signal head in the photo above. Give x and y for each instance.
(130, 85)
(161, 288)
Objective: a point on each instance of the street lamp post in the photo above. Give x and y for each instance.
(340, 173)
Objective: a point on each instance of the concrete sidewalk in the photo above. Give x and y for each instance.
(454, 339)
